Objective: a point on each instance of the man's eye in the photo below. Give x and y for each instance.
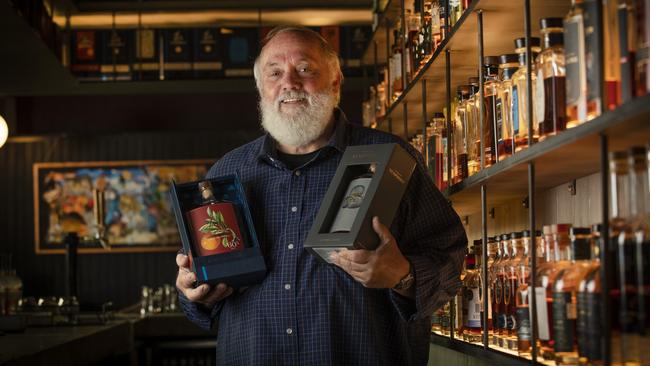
(304, 69)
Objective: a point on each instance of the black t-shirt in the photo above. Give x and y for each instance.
(293, 161)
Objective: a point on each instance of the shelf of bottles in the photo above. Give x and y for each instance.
(505, 99)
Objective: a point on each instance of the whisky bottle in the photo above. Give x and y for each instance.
(492, 247)
(627, 41)
(460, 133)
(557, 244)
(425, 37)
(612, 55)
(413, 26)
(576, 69)
(473, 133)
(589, 304)
(215, 224)
(640, 225)
(518, 257)
(472, 298)
(524, 323)
(565, 288)
(459, 313)
(436, 36)
(437, 149)
(620, 213)
(508, 64)
(352, 200)
(520, 94)
(396, 67)
(550, 103)
(494, 258)
(643, 47)
(595, 55)
(490, 85)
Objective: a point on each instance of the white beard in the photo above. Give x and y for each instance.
(301, 126)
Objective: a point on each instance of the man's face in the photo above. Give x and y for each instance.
(298, 90)
(290, 63)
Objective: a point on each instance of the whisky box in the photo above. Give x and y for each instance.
(393, 167)
(178, 53)
(85, 54)
(207, 61)
(116, 54)
(239, 51)
(146, 54)
(237, 269)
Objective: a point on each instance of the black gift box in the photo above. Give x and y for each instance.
(237, 269)
(178, 53)
(239, 50)
(393, 167)
(116, 54)
(208, 61)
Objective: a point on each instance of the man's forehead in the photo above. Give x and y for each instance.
(284, 47)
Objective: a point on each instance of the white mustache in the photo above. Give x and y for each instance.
(293, 95)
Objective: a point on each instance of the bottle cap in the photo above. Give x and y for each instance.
(546, 23)
(438, 115)
(547, 229)
(505, 237)
(516, 235)
(579, 231)
(490, 61)
(521, 42)
(473, 80)
(561, 228)
(554, 39)
(509, 58)
(596, 229)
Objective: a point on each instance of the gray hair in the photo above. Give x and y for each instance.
(305, 33)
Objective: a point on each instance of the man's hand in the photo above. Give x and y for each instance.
(383, 267)
(203, 294)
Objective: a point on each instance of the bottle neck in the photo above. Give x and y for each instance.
(620, 195)
(640, 196)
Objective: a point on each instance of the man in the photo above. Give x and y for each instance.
(372, 307)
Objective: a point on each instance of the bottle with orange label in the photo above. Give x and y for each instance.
(215, 225)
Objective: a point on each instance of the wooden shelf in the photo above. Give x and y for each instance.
(502, 23)
(486, 354)
(571, 154)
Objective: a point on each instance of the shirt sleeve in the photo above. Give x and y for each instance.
(431, 236)
(198, 314)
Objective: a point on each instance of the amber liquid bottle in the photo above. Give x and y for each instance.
(520, 100)
(643, 47)
(501, 328)
(550, 103)
(576, 68)
(627, 41)
(518, 256)
(492, 278)
(508, 64)
(472, 299)
(473, 133)
(589, 304)
(524, 327)
(491, 87)
(460, 133)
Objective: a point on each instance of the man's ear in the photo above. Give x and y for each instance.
(336, 83)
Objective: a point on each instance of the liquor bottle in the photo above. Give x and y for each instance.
(576, 69)
(523, 293)
(520, 94)
(216, 224)
(565, 288)
(455, 11)
(492, 280)
(473, 133)
(589, 300)
(352, 200)
(557, 244)
(643, 47)
(595, 55)
(492, 247)
(396, 67)
(413, 26)
(437, 149)
(460, 133)
(620, 213)
(490, 85)
(425, 37)
(627, 41)
(640, 225)
(550, 102)
(501, 329)
(459, 313)
(518, 256)
(436, 36)
(445, 319)
(508, 64)
(472, 299)
(612, 55)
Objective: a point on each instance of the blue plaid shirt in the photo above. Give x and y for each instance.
(306, 312)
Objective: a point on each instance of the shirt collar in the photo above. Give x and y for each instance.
(338, 140)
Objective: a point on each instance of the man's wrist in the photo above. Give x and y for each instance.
(407, 281)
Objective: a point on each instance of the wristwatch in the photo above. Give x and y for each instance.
(407, 281)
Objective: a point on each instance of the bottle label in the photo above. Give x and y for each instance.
(581, 323)
(539, 96)
(499, 118)
(563, 324)
(592, 52)
(473, 314)
(515, 110)
(575, 65)
(444, 158)
(542, 314)
(627, 76)
(593, 329)
(215, 229)
(524, 332)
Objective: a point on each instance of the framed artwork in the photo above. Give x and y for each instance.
(135, 206)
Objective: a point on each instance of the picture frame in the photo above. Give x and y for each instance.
(135, 204)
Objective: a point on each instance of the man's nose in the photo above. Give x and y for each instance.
(291, 81)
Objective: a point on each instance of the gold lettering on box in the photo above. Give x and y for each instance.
(144, 43)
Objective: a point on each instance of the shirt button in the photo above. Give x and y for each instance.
(287, 287)
(289, 331)
(297, 173)
(294, 209)
(290, 246)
